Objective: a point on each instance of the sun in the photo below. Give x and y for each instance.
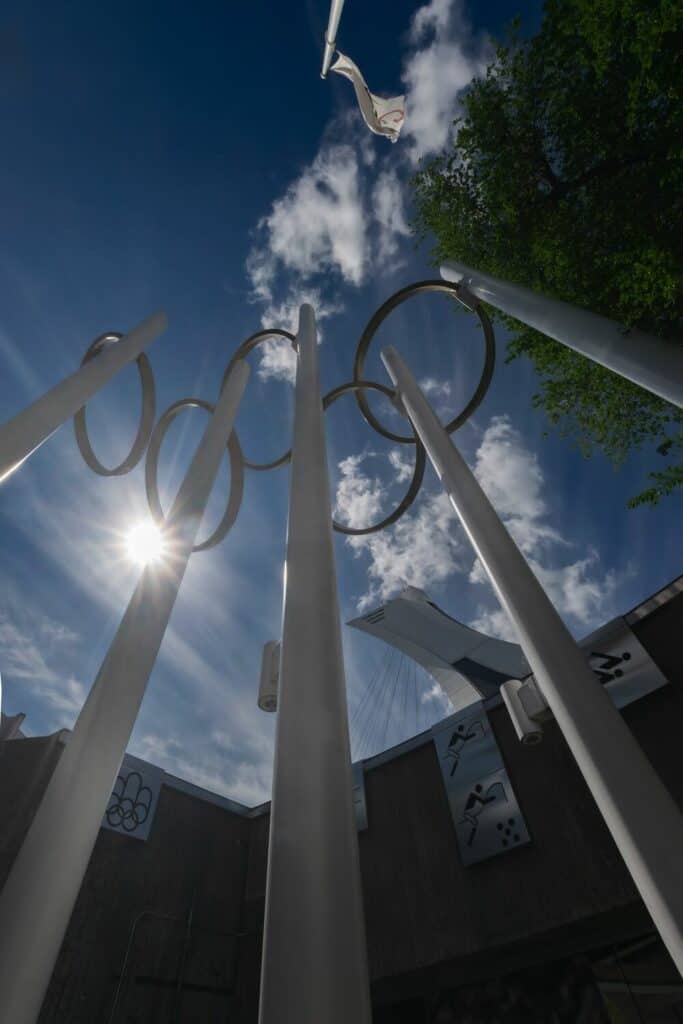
(145, 543)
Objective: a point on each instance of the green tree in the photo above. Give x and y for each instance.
(565, 176)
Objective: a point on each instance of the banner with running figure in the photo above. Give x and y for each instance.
(487, 818)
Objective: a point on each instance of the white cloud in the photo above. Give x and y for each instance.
(578, 590)
(359, 496)
(31, 650)
(21, 657)
(436, 388)
(426, 547)
(433, 17)
(420, 550)
(212, 765)
(388, 208)
(403, 469)
(445, 58)
(435, 695)
(580, 593)
(317, 230)
(439, 392)
(318, 225)
(495, 622)
(513, 480)
(277, 357)
(336, 220)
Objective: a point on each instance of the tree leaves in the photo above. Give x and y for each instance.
(566, 176)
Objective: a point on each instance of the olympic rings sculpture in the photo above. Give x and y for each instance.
(149, 437)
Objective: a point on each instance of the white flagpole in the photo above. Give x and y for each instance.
(650, 362)
(336, 8)
(41, 889)
(644, 820)
(20, 436)
(314, 968)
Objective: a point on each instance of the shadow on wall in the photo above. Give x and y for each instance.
(564, 993)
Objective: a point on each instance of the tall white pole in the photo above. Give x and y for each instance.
(39, 894)
(28, 429)
(650, 362)
(645, 823)
(314, 956)
(336, 8)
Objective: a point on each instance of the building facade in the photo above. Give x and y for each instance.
(464, 922)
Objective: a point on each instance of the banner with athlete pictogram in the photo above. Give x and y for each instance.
(487, 818)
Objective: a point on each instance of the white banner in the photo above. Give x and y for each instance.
(383, 117)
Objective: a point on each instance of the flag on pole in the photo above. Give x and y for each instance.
(336, 8)
(383, 117)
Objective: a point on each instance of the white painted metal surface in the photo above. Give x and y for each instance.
(39, 894)
(650, 362)
(314, 955)
(466, 664)
(645, 822)
(336, 8)
(30, 428)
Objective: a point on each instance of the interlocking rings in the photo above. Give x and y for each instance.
(418, 472)
(241, 353)
(147, 414)
(152, 437)
(236, 472)
(380, 316)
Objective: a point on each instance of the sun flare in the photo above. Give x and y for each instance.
(145, 543)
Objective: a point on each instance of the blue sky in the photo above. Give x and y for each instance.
(191, 159)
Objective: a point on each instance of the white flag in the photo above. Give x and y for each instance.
(384, 117)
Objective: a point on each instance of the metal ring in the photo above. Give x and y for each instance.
(381, 315)
(244, 349)
(418, 472)
(152, 468)
(147, 414)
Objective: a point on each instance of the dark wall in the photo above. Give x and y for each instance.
(157, 933)
(174, 924)
(25, 769)
(569, 890)
(174, 905)
(660, 634)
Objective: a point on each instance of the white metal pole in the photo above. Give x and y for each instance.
(314, 957)
(28, 429)
(336, 8)
(39, 894)
(650, 362)
(645, 823)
